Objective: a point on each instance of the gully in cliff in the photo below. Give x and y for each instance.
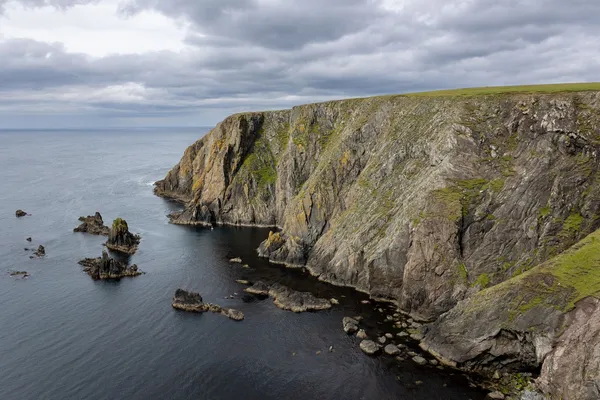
(106, 267)
(191, 301)
(120, 239)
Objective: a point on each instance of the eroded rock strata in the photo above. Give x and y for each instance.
(93, 224)
(120, 239)
(106, 267)
(190, 301)
(438, 203)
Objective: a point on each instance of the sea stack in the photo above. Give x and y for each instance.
(93, 224)
(120, 239)
(106, 267)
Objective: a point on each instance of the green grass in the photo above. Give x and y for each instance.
(120, 225)
(571, 226)
(490, 90)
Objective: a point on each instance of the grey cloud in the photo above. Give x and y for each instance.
(257, 54)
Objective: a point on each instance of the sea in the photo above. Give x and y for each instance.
(66, 336)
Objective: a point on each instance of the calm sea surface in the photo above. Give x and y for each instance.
(65, 336)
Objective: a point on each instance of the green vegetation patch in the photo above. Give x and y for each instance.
(571, 226)
(454, 201)
(120, 225)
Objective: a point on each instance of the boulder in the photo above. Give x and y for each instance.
(28, 239)
(495, 396)
(369, 347)
(419, 360)
(93, 224)
(120, 239)
(23, 274)
(391, 349)
(236, 260)
(350, 325)
(20, 213)
(362, 334)
(242, 282)
(382, 339)
(192, 302)
(106, 267)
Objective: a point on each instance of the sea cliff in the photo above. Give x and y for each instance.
(441, 202)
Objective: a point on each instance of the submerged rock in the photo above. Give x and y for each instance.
(29, 239)
(350, 325)
(191, 301)
(242, 281)
(236, 260)
(120, 239)
(93, 224)
(369, 347)
(106, 267)
(20, 213)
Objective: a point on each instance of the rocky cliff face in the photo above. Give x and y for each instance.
(422, 200)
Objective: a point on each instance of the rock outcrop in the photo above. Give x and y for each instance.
(436, 202)
(289, 299)
(106, 267)
(190, 301)
(93, 224)
(120, 239)
(39, 252)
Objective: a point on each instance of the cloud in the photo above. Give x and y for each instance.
(222, 56)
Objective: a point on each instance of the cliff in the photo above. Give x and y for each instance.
(425, 200)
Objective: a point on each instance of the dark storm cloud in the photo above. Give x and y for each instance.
(254, 54)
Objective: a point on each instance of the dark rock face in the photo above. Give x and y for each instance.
(93, 224)
(120, 239)
(106, 267)
(190, 301)
(20, 213)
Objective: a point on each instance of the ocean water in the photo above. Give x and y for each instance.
(65, 336)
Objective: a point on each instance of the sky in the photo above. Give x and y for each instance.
(96, 63)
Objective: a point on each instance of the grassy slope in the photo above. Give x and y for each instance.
(559, 283)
